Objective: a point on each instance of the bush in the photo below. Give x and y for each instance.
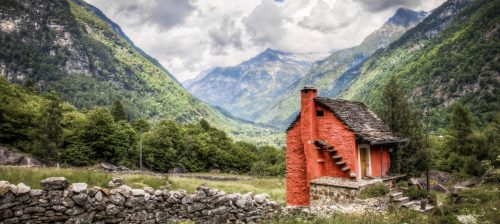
(374, 190)
(415, 193)
(402, 184)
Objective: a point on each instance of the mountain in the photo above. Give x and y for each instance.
(325, 74)
(71, 47)
(188, 82)
(453, 55)
(248, 89)
(118, 30)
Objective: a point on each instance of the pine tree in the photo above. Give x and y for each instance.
(404, 120)
(50, 130)
(118, 112)
(460, 129)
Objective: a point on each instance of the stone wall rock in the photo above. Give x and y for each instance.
(60, 202)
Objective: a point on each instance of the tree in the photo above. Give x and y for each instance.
(50, 130)
(141, 125)
(118, 112)
(404, 120)
(98, 133)
(162, 145)
(460, 129)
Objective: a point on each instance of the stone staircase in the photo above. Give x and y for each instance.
(336, 158)
(398, 199)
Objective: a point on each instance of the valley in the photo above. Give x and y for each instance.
(399, 125)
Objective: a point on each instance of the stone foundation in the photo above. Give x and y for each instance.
(332, 190)
(59, 202)
(329, 194)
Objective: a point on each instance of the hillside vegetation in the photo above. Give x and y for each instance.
(459, 64)
(325, 75)
(56, 132)
(63, 46)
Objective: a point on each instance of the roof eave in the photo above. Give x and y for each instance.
(385, 141)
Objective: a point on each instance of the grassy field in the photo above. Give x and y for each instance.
(275, 187)
(32, 177)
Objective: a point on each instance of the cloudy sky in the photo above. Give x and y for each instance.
(189, 36)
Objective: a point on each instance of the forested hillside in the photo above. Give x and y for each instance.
(56, 132)
(439, 68)
(64, 46)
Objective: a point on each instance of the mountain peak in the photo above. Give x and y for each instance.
(405, 17)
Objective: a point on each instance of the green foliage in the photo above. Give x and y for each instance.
(97, 67)
(374, 190)
(141, 125)
(118, 112)
(459, 64)
(57, 132)
(404, 120)
(469, 149)
(270, 162)
(480, 202)
(50, 130)
(415, 193)
(17, 114)
(402, 184)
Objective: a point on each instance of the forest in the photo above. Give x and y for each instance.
(54, 131)
(466, 146)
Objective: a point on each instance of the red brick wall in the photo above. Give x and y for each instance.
(335, 133)
(375, 160)
(297, 186)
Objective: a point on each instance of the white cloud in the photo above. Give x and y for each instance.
(265, 23)
(189, 36)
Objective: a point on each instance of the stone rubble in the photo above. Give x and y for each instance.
(60, 202)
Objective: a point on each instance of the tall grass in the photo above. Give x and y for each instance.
(397, 216)
(32, 177)
(275, 187)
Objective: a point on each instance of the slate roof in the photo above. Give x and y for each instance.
(358, 118)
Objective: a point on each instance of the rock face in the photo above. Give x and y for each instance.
(59, 202)
(8, 157)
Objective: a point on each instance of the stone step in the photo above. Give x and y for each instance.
(353, 175)
(396, 194)
(344, 169)
(402, 199)
(328, 147)
(331, 150)
(320, 160)
(336, 157)
(341, 163)
(410, 204)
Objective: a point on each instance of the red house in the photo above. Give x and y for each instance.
(334, 138)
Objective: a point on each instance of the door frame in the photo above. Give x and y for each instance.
(368, 157)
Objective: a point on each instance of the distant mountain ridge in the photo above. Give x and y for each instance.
(451, 56)
(325, 74)
(245, 90)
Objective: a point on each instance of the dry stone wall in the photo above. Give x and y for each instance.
(60, 202)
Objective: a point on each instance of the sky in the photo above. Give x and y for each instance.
(191, 36)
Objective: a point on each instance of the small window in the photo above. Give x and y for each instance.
(319, 113)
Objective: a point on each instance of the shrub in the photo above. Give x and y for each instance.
(415, 193)
(402, 184)
(374, 190)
